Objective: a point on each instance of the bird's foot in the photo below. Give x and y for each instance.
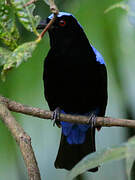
(92, 119)
(56, 117)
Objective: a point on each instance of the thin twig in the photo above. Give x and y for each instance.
(55, 11)
(46, 28)
(45, 114)
(30, 2)
(53, 7)
(23, 140)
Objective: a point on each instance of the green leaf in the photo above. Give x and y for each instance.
(130, 158)
(20, 54)
(122, 5)
(8, 31)
(131, 13)
(125, 150)
(47, 2)
(4, 55)
(98, 158)
(25, 15)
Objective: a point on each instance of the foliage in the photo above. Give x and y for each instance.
(122, 5)
(25, 15)
(14, 53)
(15, 58)
(128, 6)
(4, 55)
(123, 151)
(8, 31)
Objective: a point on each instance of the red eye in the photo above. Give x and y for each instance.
(62, 23)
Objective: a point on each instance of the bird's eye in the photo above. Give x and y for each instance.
(62, 23)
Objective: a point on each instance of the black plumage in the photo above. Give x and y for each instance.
(75, 80)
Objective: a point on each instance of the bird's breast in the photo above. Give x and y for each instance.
(74, 81)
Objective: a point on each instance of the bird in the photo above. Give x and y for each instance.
(75, 82)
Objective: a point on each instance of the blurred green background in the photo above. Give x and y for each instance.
(114, 37)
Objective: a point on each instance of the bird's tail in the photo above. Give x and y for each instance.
(70, 154)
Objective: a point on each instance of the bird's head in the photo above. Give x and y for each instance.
(64, 28)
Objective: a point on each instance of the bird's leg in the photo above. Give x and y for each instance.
(92, 121)
(56, 117)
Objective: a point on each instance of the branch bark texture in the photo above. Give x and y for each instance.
(45, 114)
(23, 140)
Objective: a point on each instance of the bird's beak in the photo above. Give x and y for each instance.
(42, 24)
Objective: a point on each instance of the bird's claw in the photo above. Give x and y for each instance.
(56, 117)
(92, 119)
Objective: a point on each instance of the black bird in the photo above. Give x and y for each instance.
(75, 82)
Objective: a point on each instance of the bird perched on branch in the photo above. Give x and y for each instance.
(75, 82)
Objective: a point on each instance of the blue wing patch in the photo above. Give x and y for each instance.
(99, 57)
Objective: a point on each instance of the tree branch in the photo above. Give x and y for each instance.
(29, 2)
(53, 7)
(46, 28)
(44, 114)
(23, 140)
(55, 11)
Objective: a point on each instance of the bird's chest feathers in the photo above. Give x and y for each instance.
(71, 45)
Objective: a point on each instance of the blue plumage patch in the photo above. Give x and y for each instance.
(60, 15)
(64, 14)
(99, 57)
(75, 133)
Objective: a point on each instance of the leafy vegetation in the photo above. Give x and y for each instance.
(123, 151)
(9, 33)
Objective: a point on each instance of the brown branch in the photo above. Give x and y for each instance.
(46, 28)
(30, 2)
(55, 11)
(44, 114)
(53, 7)
(23, 140)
